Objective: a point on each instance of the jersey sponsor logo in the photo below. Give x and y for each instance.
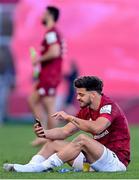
(106, 109)
(51, 37)
(101, 135)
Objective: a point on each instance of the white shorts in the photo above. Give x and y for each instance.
(108, 162)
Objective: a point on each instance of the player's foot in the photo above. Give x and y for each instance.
(8, 167)
(38, 142)
(28, 168)
(24, 168)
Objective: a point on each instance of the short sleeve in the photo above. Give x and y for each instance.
(51, 37)
(106, 111)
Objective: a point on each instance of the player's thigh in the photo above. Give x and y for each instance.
(34, 97)
(49, 102)
(56, 145)
(60, 144)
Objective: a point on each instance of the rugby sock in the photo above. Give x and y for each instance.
(29, 168)
(37, 159)
(52, 161)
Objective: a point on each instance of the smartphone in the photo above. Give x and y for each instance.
(37, 121)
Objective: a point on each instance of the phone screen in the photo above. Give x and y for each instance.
(37, 121)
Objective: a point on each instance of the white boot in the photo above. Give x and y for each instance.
(8, 167)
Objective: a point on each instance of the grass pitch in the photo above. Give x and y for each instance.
(15, 148)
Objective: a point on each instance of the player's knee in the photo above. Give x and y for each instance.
(80, 140)
(77, 144)
(82, 137)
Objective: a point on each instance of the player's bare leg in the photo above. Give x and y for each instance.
(34, 164)
(49, 103)
(92, 149)
(52, 147)
(58, 152)
(55, 153)
(39, 112)
(38, 141)
(38, 108)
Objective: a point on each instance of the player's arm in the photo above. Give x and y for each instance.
(94, 127)
(56, 133)
(54, 51)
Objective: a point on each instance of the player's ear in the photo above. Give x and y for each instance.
(93, 94)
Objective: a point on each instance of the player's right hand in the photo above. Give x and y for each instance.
(39, 131)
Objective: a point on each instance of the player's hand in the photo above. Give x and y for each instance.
(35, 62)
(39, 131)
(61, 115)
(64, 116)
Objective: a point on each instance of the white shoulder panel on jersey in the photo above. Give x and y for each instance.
(51, 37)
(106, 109)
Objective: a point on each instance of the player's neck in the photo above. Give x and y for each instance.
(96, 103)
(50, 25)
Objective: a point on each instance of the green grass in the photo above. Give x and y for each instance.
(15, 147)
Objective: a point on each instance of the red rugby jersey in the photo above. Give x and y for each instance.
(116, 137)
(51, 70)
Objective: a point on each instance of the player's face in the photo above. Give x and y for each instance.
(45, 18)
(83, 97)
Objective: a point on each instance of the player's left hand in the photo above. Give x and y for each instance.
(39, 131)
(35, 62)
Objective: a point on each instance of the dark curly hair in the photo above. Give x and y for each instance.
(90, 83)
(54, 11)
